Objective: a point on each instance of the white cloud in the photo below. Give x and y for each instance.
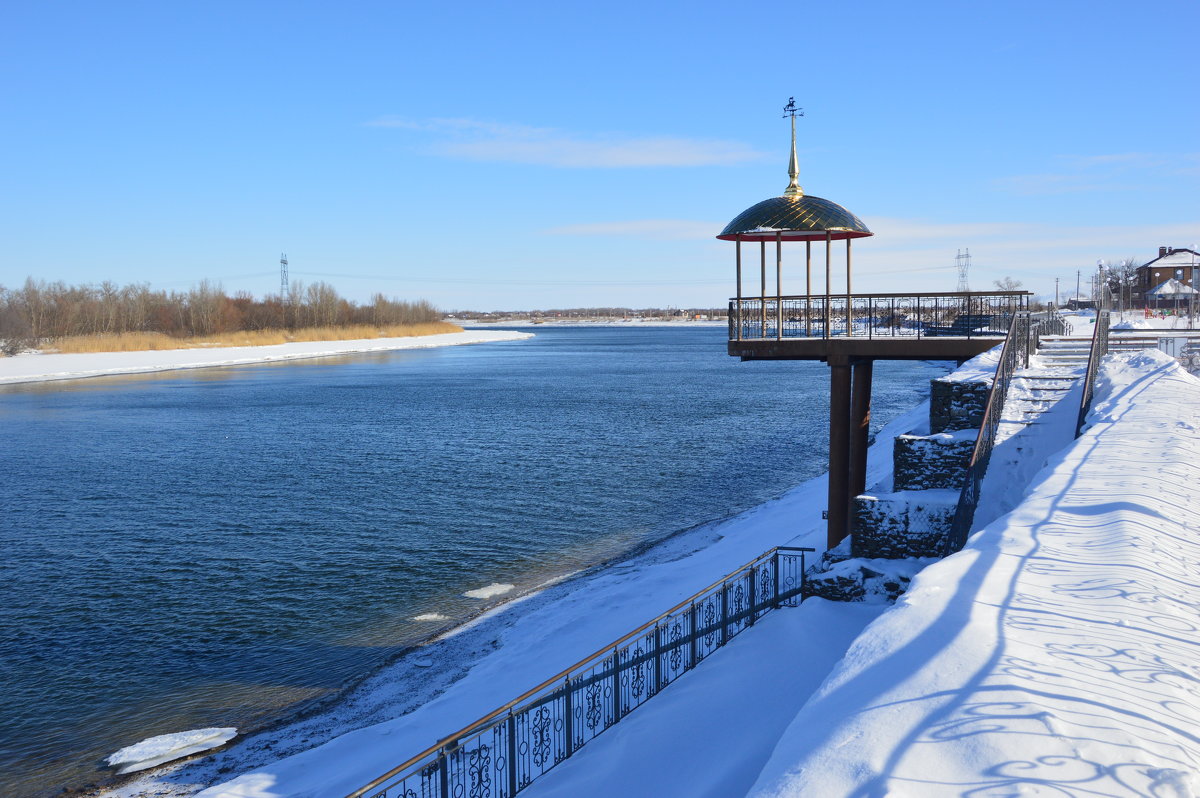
(489, 141)
(658, 229)
(1102, 173)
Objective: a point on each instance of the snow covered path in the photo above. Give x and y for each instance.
(42, 368)
(1058, 653)
(722, 721)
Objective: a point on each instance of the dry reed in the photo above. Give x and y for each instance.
(141, 341)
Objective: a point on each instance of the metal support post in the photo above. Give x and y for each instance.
(839, 451)
(860, 425)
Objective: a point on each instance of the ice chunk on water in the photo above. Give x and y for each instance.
(494, 589)
(165, 747)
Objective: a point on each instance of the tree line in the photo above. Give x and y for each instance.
(40, 311)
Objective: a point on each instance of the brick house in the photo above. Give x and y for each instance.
(1179, 264)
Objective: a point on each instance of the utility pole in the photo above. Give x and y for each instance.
(283, 278)
(1056, 293)
(1077, 289)
(284, 292)
(963, 261)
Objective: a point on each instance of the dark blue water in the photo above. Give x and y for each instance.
(209, 548)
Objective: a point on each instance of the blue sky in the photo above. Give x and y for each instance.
(524, 155)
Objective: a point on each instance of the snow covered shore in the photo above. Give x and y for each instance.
(44, 367)
(1057, 653)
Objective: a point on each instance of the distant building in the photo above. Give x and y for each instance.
(1171, 264)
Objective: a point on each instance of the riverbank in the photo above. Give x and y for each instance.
(39, 367)
(470, 670)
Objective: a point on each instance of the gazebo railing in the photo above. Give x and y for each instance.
(966, 315)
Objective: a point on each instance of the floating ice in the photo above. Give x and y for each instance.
(431, 616)
(165, 747)
(492, 590)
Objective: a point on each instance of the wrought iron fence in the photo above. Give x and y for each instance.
(501, 754)
(966, 315)
(1099, 350)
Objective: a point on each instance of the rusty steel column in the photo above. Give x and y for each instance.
(860, 425)
(838, 513)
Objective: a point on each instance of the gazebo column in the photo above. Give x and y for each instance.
(778, 286)
(807, 287)
(738, 309)
(860, 425)
(762, 308)
(849, 294)
(828, 282)
(838, 512)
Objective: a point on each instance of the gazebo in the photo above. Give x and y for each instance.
(845, 330)
(1171, 289)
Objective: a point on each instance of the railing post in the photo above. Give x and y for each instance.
(443, 774)
(775, 602)
(657, 658)
(511, 724)
(802, 577)
(724, 612)
(695, 643)
(616, 684)
(753, 574)
(569, 715)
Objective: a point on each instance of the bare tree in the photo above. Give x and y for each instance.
(1007, 284)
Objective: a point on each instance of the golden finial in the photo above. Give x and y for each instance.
(793, 189)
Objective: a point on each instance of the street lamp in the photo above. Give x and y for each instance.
(1192, 296)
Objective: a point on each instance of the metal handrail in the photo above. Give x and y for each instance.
(612, 682)
(890, 296)
(1016, 349)
(1098, 351)
(924, 315)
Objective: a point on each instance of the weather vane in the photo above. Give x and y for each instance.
(791, 110)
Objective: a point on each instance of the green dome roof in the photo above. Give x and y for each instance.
(794, 218)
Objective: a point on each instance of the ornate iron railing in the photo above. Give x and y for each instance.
(502, 753)
(1099, 350)
(967, 315)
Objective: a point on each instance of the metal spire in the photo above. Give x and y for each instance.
(793, 189)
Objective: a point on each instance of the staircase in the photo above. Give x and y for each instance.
(1060, 363)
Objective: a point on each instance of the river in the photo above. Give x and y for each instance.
(217, 547)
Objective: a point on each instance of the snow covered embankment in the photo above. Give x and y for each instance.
(1057, 653)
(45, 367)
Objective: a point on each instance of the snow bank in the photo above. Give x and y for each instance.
(36, 367)
(1057, 653)
(709, 734)
(166, 747)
